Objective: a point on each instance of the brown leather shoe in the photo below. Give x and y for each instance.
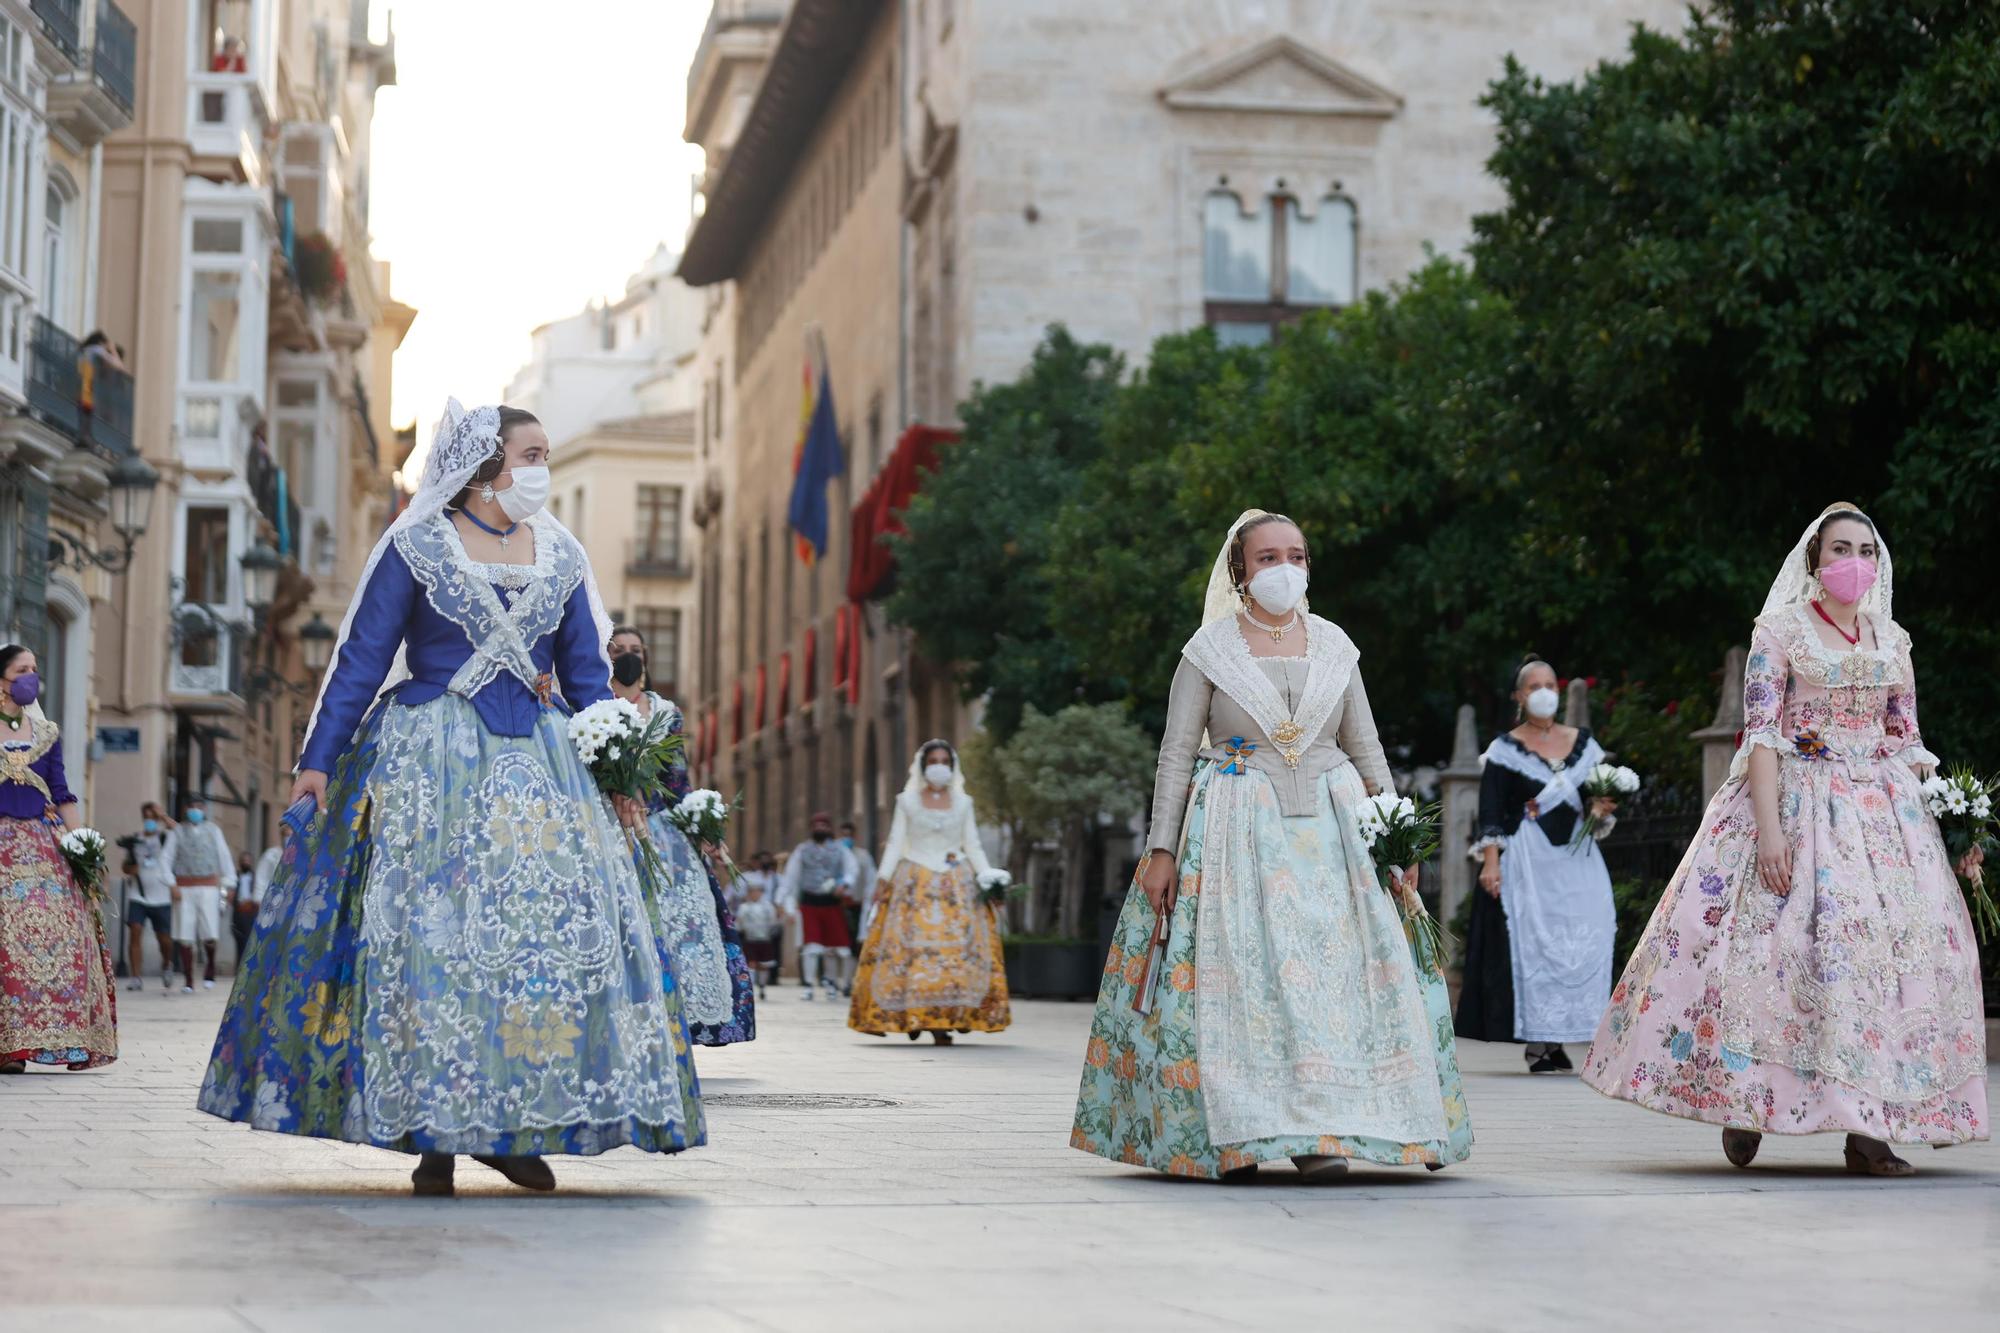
(1740, 1145)
(530, 1173)
(432, 1178)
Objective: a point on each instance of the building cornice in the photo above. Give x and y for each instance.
(815, 51)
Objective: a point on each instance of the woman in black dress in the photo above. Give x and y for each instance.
(1536, 987)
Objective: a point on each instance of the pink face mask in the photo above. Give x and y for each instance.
(1848, 580)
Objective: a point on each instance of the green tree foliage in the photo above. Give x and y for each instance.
(1748, 269)
(1066, 771)
(1757, 269)
(971, 574)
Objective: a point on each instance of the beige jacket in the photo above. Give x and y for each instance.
(1325, 683)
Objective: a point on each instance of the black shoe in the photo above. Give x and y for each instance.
(530, 1173)
(432, 1178)
(1740, 1145)
(1561, 1057)
(1241, 1175)
(1545, 1064)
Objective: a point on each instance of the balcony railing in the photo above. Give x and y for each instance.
(108, 424)
(55, 382)
(274, 500)
(62, 24)
(115, 60)
(646, 558)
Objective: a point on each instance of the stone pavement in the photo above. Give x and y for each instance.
(937, 1191)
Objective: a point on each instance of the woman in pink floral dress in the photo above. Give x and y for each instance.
(1811, 967)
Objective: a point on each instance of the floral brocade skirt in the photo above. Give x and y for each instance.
(1143, 1101)
(1851, 1004)
(932, 960)
(459, 958)
(56, 1001)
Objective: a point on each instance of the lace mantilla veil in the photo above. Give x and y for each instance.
(916, 783)
(464, 441)
(1795, 584)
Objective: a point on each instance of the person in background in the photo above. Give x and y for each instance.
(819, 875)
(231, 59)
(758, 921)
(863, 902)
(151, 899)
(251, 880)
(758, 870)
(198, 857)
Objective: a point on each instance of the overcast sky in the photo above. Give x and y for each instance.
(529, 159)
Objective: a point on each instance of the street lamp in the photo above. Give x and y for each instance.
(133, 481)
(260, 577)
(316, 643)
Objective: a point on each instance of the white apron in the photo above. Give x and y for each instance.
(1561, 923)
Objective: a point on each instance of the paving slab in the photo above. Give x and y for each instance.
(935, 1189)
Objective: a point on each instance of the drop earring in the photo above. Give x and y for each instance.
(486, 492)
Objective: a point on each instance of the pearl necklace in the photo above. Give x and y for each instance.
(1277, 632)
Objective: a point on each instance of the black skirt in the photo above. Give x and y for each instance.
(1486, 1001)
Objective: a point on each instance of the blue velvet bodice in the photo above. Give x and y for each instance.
(485, 632)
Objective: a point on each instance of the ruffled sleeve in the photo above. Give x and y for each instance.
(1766, 674)
(1904, 739)
(975, 850)
(1187, 716)
(892, 852)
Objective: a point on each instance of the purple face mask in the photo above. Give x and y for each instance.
(25, 688)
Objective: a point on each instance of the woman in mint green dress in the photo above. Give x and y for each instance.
(1283, 1012)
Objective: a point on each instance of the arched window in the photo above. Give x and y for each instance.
(1266, 268)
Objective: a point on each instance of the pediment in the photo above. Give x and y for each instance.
(1280, 76)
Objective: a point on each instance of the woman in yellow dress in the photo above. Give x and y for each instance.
(931, 961)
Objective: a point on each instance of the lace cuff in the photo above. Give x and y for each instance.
(1916, 756)
(1739, 767)
(1604, 827)
(1478, 849)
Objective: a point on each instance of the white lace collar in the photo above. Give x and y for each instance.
(1510, 754)
(1811, 658)
(1221, 653)
(506, 575)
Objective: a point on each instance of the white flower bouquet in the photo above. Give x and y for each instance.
(997, 886)
(84, 850)
(702, 816)
(628, 755)
(1400, 834)
(1606, 782)
(1962, 804)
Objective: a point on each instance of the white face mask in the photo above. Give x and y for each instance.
(1279, 589)
(1543, 702)
(527, 495)
(938, 775)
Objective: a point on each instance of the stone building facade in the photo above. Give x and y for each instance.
(927, 185)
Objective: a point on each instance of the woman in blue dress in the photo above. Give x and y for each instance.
(696, 925)
(456, 957)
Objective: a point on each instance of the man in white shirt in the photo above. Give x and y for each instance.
(150, 900)
(818, 876)
(198, 856)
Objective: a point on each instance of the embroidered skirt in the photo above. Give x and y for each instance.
(56, 1001)
(703, 912)
(1851, 1004)
(459, 958)
(932, 959)
(1332, 1031)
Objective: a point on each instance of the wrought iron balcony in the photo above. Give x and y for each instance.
(114, 64)
(55, 381)
(61, 25)
(108, 424)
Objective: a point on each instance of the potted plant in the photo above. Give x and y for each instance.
(1052, 967)
(321, 268)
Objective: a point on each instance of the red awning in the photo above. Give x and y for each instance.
(880, 511)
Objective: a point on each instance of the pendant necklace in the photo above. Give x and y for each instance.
(1277, 632)
(1854, 639)
(14, 722)
(503, 536)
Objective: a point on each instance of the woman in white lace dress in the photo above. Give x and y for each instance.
(931, 961)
